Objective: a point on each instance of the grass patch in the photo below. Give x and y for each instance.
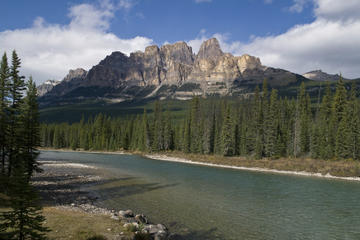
(65, 224)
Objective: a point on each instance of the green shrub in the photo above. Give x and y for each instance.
(142, 236)
(97, 237)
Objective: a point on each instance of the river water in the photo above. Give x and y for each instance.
(202, 202)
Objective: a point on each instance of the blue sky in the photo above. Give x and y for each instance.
(298, 35)
(171, 20)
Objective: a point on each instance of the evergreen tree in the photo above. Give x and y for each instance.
(259, 121)
(227, 135)
(354, 123)
(195, 129)
(168, 132)
(339, 120)
(24, 220)
(4, 104)
(304, 118)
(30, 123)
(271, 126)
(17, 86)
(158, 131)
(145, 138)
(325, 129)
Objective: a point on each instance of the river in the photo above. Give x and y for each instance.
(210, 203)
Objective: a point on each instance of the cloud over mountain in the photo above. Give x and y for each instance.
(48, 50)
(330, 42)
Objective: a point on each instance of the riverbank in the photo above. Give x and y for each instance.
(71, 209)
(340, 169)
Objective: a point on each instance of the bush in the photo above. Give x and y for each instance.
(131, 228)
(97, 237)
(142, 236)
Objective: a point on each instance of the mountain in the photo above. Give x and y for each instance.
(46, 87)
(171, 71)
(318, 75)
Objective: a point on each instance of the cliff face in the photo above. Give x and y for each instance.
(211, 71)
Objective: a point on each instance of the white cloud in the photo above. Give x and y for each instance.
(48, 51)
(331, 42)
(268, 1)
(126, 4)
(337, 9)
(298, 5)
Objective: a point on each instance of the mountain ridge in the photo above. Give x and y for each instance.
(169, 71)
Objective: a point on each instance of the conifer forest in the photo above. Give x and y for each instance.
(264, 125)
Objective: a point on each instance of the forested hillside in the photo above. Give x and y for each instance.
(264, 125)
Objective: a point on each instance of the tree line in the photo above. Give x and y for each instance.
(262, 126)
(19, 140)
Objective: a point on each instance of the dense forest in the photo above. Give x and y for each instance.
(19, 139)
(261, 126)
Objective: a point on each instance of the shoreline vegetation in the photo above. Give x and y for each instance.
(266, 132)
(71, 207)
(339, 169)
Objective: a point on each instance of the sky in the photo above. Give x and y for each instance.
(52, 37)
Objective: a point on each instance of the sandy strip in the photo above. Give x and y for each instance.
(254, 169)
(82, 151)
(66, 165)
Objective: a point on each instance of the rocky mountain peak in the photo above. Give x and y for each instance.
(248, 62)
(152, 50)
(210, 49)
(319, 75)
(178, 52)
(171, 70)
(76, 73)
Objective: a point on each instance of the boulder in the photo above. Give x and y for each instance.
(161, 235)
(126, 214)
(140, 218)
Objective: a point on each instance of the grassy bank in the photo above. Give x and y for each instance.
(67, 224)
(338, 168)
(77, 225)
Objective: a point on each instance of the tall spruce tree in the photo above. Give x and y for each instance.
(17, 86)
(24, 220)
(31, 129)
(4, 104)
(304, 119)
(227, 137)
(195, 126)
(271, 125)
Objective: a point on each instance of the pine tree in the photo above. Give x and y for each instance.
(326, 132)
(168, 132)
(354, 123)
(187, 136)
(339, 120)
(195, 129)
(271, 126)
(31, 129)
(259, 121)
(24, 220)
(227, 135)
(158, 131)
(145, 134)
(17, 86)
(4, 104)
(304, 117)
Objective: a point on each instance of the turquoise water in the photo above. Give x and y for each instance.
(212, 203)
